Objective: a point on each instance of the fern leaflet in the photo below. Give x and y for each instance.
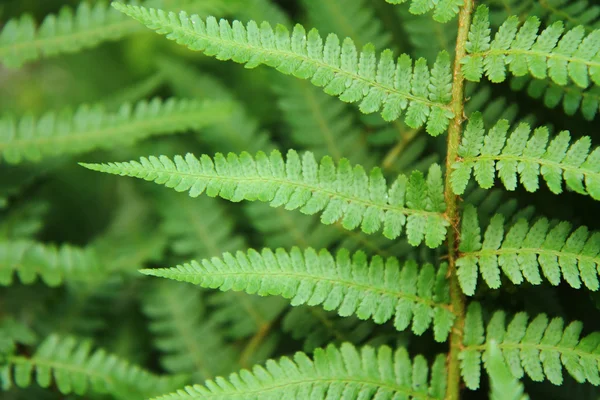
(332, 373)
(53, 265)
(549, 53)
(503, 386)
(379, 289)
(520, 253)
(340, 69)
(539, 348)
(443, 10)
(340, 192)
(528, 154)
(76, 368)
(90, 127)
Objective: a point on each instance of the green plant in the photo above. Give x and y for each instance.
(348, 232)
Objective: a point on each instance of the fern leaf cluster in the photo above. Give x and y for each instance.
(74, 367)
(339, 68)
(527, 154)
(90, 127)
(540, 348)
(335, 373)
(339, 192)
(524, 249)
(551, 53)
(378, 289)
(443, 10)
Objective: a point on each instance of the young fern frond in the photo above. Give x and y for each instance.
(54, 265)
(550, 53)
(91, 127)
(539, 348)
(528, 154)
(188, 344)
(333, 373)
(379, 289)
(520, 253)
(316, 328)
(343, 71)
(74, 367)
(443, 10)
(339, 192)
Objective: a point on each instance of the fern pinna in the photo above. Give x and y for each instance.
(409, 226)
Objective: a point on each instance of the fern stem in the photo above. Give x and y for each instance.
(457, 299)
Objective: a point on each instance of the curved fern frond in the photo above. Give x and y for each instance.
(188, 343)
(53, 265)
(90, 127)
(340, 192)
(520, 253)
(333, 373)
(443, 10)
(316, 327)
(528, 154)
(549, 53)
(572, 97)
(74, 367)
(379, 289)
(540, 348)
(70, 31)
(343, 71)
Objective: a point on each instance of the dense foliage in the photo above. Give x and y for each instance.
(390, 199)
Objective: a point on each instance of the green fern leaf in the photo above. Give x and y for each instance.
(443, 10)
(339, 68)
(53, 265)
(470, 360)
(528, 154)
(503, 386)
(71, 31)
(341, 193)
(550, 53)
(74, 368)
(334, 373)
(379, 289)
(520, 253)
(540, 348)
(90, 127)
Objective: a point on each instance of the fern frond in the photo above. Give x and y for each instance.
(340, 192)
(520, 253)
(70, 31)
(539, 348)
(336, 373)
(316, 327)
(528, 154)
(549, 53)
(379, 289)
(31, 260)
(188, 343)
(74, 367)
(443, 10)
(342, 71)
(90, 127)
(572, 97)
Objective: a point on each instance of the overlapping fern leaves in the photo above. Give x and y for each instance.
(552, 53)
(540, 348)
(385, 85)
(90, 127)
(443, 10)
(335, 373)
(520, 253)
(379, 289)
(339, 192)
(74, 367)
(528, 154)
